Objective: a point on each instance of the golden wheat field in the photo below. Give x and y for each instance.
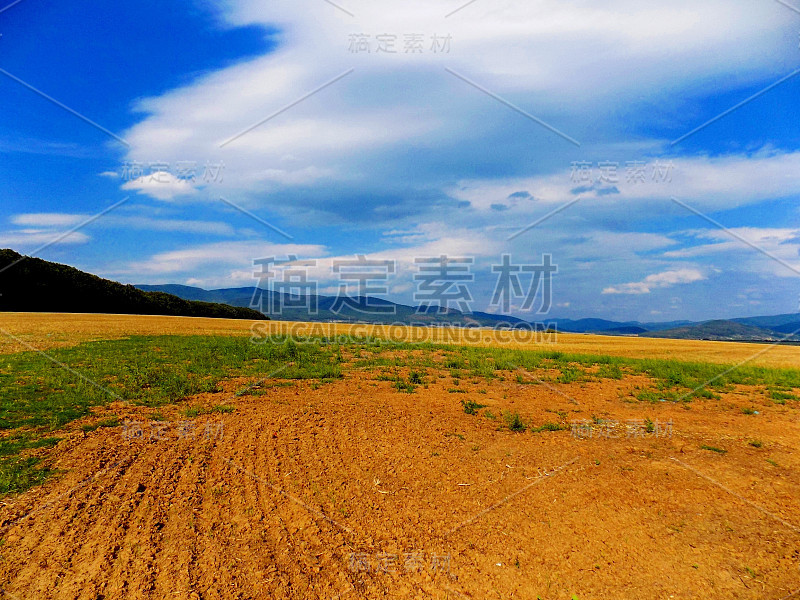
(48, 330)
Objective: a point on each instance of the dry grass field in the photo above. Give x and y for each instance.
(188, 462)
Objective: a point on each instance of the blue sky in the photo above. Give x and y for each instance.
(414, 154)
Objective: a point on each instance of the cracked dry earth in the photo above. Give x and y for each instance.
(353, 489)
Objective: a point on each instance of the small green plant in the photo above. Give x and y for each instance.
(415, 378)
(471, 407)
(514, 422)
(713, 449)
(749, 411)
(649, 426)
(648, 396)
(548, 427)
(404, 386)
(756, 443)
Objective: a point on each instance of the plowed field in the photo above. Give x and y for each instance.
(407, 477)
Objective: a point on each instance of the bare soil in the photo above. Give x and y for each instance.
(354, 489)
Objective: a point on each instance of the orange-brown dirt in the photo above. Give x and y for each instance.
(353, 489)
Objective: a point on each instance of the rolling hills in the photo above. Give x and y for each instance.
(761, 329)
(35, 285)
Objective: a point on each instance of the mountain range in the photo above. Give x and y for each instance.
(35, 285)
(758, 329)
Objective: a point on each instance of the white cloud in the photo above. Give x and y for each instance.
(769, 250)
(122, 221)
(31, 237)
(48, 219)
(363, 127)
(222, 257)
(657, 281)
(707, 183)
(162, 186)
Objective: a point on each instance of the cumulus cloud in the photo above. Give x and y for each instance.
(721, 182)
(657, 281)
(395, 142)
(399, 118)
(222, 258)
(761, 250)
(161, 185)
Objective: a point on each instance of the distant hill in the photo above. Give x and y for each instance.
(771, 322)
(591, 325)
(719, 330)
(36, 285)
(602, 326)
(750, 328)
(625, 330)
(360, 313)
(789, 328)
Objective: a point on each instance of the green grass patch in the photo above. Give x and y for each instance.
(549, 427)
(401, 385)
(779, 395)
(471, 407)
(39, 397)
(196, 411)
(18, 474)
(713, 449)
(571, 374)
